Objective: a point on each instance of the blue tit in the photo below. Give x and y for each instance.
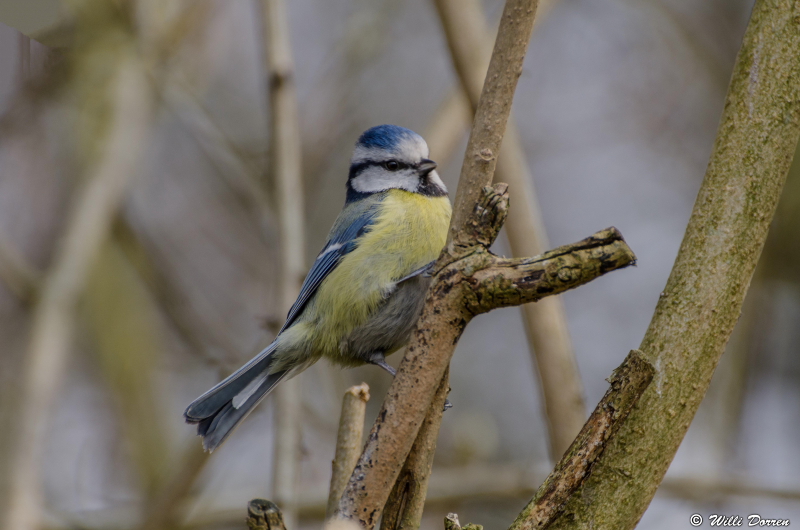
(366, 288)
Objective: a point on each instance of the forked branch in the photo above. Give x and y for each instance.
(469, 280)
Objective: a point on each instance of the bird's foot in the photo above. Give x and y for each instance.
(378, 359)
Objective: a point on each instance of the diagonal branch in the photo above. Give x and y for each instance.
(628, 382)
(700, 304)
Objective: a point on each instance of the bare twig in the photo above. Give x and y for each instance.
(403, 510)
(628, 382)
(87, 227)
(24, 61)
(285, 170)
(699, 306)
(545, 323)
(121, 320)
(348, 442)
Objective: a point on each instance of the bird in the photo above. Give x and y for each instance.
(366, 288)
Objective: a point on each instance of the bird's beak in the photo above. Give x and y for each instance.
(426, 166)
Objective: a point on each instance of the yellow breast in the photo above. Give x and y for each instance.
(409, 232)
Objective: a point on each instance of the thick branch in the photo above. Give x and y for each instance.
(628, 382)
(702, 300)
(348, 442)
(403, 510)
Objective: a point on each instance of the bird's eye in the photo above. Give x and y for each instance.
(392, 165)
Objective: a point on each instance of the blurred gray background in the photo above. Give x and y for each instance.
(617, 107)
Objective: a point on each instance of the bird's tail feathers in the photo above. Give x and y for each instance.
(221, 409)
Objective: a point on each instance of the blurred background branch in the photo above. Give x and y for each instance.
(286, 174)
(131, 107)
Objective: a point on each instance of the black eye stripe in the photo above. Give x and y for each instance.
(359, 167)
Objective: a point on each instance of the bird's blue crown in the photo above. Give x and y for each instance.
(386, 137)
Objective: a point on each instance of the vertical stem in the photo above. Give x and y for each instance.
(285, 170)
(545, 321)
(348, 442)
(404, 508)
(410, 394)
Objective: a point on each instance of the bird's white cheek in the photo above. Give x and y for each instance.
(376, 179)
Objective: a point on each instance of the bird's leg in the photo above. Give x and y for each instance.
(378, 359)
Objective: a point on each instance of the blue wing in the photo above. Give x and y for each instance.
(342, 240)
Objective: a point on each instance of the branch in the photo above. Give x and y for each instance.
(403, 510)
(549, 342)
(699, 306)
(451, 523)
(479, 213)
(348, 442)
(628, 382)
(492, 112)
(470, 282)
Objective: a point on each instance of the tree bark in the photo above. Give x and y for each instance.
(628, 382)
(702, 300)
(404, 508)
(348, 442)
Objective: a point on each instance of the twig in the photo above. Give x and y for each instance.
(628, 382)
(285, 170)
(264, 515)
(492, 112)
(348, 442)
(699, 306)
(545, 323)
(88, 225)
(403, 510)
